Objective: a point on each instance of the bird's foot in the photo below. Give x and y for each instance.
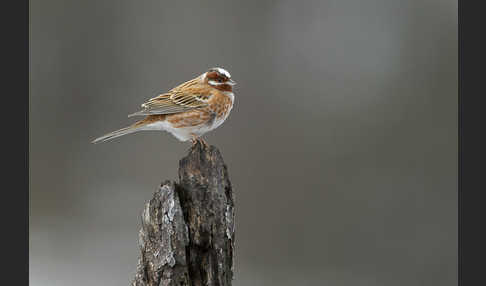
(204, 143)
(195, 140)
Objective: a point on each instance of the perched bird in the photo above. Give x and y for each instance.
(187, 111)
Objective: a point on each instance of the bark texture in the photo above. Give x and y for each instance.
(187, 234)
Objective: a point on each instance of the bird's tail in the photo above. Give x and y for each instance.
(112, 135)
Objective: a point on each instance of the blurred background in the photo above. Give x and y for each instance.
(341, 147)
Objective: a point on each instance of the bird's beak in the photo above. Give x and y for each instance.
(231, 82)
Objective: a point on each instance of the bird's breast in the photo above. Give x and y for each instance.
(221, 107)
(208, 118)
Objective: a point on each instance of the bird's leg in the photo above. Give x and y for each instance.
(194, 139)
(204, 143)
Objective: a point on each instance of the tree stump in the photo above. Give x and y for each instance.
(187, 234)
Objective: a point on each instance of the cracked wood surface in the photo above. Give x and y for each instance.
(187, 234)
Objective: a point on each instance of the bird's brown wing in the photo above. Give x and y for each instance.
(179, 99)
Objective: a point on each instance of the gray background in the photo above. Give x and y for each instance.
(341, 146)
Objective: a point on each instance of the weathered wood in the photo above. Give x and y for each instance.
(187, 234)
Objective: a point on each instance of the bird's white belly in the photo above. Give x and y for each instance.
(185, 133)
(200, 130)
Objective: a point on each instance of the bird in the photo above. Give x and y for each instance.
(187, 111)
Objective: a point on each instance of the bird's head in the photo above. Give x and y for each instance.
(219, 78)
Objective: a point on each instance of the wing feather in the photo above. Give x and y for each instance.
(179, 99)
